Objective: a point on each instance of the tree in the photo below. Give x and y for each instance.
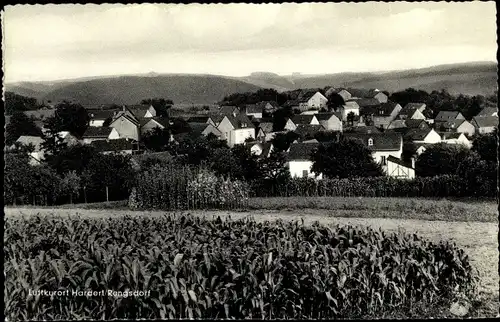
(281, 141)
(280, 117)
(224, 163)
(71, 158)
(409, 95)
(70, 185)
(157, 139)
(345, 159)
(178, 126)
(485, 145)
(440, 159)
(327, 136)
(18, 103)
(53, 143)
(248, 161)
(161, 105)
(350, 118)
(20, 124)
(69, 117)
(274, 167)
(481, 175)
(335, 101)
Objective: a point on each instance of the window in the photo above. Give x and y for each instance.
(305, 174)
(383, 161)
(370, 142)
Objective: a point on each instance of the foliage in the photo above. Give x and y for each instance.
(441, 159)
(486, 145)
(335, 101)
(265, 94)
(15, 103)
(344, 159)
(69, 117)
(281, 141)
(70, 185)
(161, 105)
(72, 158)
(157, 139)
(327, 136)
(280, 116)
(210, 269)
(20, 124)
(53, 143)
(178, 126)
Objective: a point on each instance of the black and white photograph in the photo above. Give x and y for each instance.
(250, 161)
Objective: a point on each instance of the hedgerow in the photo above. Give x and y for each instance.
(198, 268)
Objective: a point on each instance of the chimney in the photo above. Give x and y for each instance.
(123, 109)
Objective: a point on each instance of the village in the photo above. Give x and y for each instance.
(384, 127)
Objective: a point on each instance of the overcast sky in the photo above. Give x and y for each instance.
(46, 42)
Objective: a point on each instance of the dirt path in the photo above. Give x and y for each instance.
(479, 240)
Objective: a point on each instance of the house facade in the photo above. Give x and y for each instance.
(455, 138)
(38, 154)
(398, 169)
(126, 126)
(382, 145)
(485, 124)
(427, 136)
(99, 133)
(300, 161)
(330, 121)
(386, 113)
(315, 101)
(293, 122)
(349, 107)
(235, 130)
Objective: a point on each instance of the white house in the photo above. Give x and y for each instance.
(312, 101)
(349, 107)
(148, 124)
(99, 117)
(293, 122)
(99, 133)
(236, 129)
(485, 124)
(455, 138)
(341, 91)
(488, 111)
(254, 110)
(382, 145)
(399, 169)
(38, 154)
(429, 136)
(330, 121)
(300, 161)
(411, 111)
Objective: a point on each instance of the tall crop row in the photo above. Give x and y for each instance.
(441, 186)
(174, 187)
(198, 268)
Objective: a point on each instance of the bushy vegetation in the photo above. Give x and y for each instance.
(173, 187)
(197, 268)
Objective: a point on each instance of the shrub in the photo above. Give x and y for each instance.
(197, 268)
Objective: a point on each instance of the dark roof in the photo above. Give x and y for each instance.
(267, 127)
(365, 129)
(161, 120)
(408, 111)
(240, 121)
(302, 118)
(253, 108)
(291, 103)
(414, 105)
(453, 124)
(306, 96)
(487, 111)
(198, 128)
(373, 93)
(397, 124)
(263, 104)
(138, 110)
(486, 121)
(450, 135)
(228, 110)
(381, 141)
(112, 145)
(399, 162)
(308, 129)
(417, 134)
(444, 116)
(126, 116)
(385, 109)
(366, 102)
(216, 118)
(327, 116)
(301, 151)
(97, 132)
(101, 114)
(198, 119)
(414, 124)
(359, 92)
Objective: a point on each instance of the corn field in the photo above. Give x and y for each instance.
(199, 268)
(441, 186)
(181, 188)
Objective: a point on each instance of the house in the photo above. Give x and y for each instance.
(229, 110)
(262, 149)
(299, 160)
(309, 112)
(365, 129)
(291, 123)
(411, 111)
(385, 114)
(204, 129)
(330, 121)
(396, 124)
(312, 100)
(148, 124)
(38, 154)
(359, 93)
(142, 111)
(382, 145)
(458, 125)
(122, 146)
(99, 117)
(254, 110)
(417, 124)
(209, 119)
(485, 124)
(308, 130)
(378, 95)
(268, 107)
(341, 91)
(264, 131)
(419, 106)
(236, 129)
(349, 107)
(429, 136)
(455, 138)
(68, 138)
(399, 169)
(126, 124)
(488, 111)
(447, 116)
(94, 133)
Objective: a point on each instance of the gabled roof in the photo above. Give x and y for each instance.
(126, 116)
(366, 102)
(263, 104)
(385, 109)
(112, 145)
(138, 110)
(306, 96)
(327, 116)
(417, 134)
(452, 124)
(160, 120)
(397, 124)
(301, 151)
(240, 121)
(373, 93)
(267, 127)
(97, 132)
(486, 121)
(36, 141)
(414, 105)
(198, 119)
(450, 135)
(488, 111)
(101, 114)
(228, 110)
(365, 129)
(359, 92)
(381, 141)
(444, 116)
(399, 162)
(302, 119)
(414, 124)
(216, 118)
(408, 111)
(308, 129)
